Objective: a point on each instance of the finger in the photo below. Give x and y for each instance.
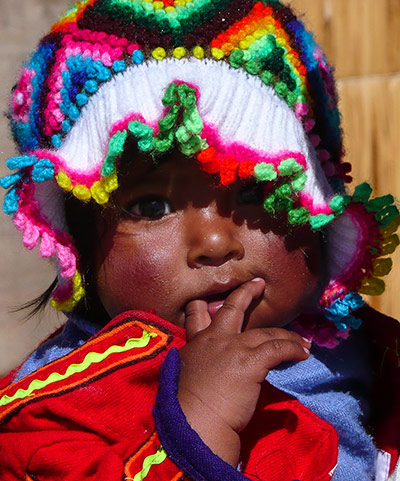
(231, 315)
(197, 317)
(272, 353)
(256, 337)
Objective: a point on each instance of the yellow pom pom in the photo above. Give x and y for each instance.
(158, 5)
(281, 42)
(63, 181)
(111, 183)
(81, 192)
(170, 9)
(260, 33)
(179, 52)
(78, 293)
(270, 29)
(244, 44)
(389, 245)
(99, 194)
(392, 228)
(159, 53)
(372, 287)
(217, 53)
(382, 267)
(198, 52)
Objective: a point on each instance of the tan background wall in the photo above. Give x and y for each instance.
(361, 39)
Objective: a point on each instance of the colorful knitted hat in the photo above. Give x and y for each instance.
(237, 84)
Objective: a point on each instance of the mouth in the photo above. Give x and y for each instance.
(216, 301)
(217, 295)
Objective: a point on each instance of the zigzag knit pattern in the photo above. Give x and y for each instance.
(263, 38)
(96, 41)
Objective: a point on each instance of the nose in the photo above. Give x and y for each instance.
(213, 239)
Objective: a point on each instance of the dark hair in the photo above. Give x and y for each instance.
(82, 221)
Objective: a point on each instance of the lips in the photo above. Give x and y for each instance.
(216, 301)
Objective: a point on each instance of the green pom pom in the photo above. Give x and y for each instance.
(265, 172)
(139, 130)
(289, 167)
(291, 99)
(267, 77)
(192, 120)
(299, 182)
(144, 133)
(281, 89)
(195, 144)
(236, 58)
(375, 205)
(168, 122)
(164, 140)
(169, 96)
(283, 191)
(115, 148)
(253, 67)
(386, 216)
(284, 203)
(187, 96)
(339, 203)
(298, 216)
(320, 220)
(362, 193)
(269, 204)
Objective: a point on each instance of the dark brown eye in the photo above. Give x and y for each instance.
(149, 207)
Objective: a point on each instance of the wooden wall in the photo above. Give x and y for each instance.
(360, 38)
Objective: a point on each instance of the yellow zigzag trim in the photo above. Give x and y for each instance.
(90, 358)
(159, 457)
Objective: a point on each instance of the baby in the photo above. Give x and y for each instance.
(181, 162)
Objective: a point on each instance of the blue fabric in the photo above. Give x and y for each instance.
(75, 333)
(334, 384)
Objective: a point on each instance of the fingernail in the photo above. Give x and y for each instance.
(256, 279)
(308, 340)
(306, 351)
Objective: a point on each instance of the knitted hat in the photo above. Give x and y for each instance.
(238, 84)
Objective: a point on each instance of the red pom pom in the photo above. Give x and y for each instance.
(246, 169)
(209, 160)
(228, 172)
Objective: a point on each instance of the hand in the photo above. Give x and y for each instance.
(223, 367)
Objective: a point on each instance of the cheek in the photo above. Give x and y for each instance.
(292, 277)
(132, 276)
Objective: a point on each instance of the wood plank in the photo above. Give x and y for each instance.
(371, 122)
(358, 36)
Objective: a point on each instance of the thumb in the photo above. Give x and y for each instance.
(197, 317)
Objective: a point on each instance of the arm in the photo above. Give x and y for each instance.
(88, 415)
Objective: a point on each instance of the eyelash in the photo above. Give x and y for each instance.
(140, 204)
(248, 194)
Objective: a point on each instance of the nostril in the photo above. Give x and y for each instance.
(216, 260)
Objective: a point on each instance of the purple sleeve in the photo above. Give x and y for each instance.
(182, 444)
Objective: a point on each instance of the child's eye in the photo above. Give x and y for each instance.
(149, 208)
(251, 194)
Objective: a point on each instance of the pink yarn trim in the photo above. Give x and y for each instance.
(21, 99)
(307, 201)
(35, 228)
(242, 152)
(369, 236)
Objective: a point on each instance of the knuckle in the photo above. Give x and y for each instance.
(276, 345)
(230, 306)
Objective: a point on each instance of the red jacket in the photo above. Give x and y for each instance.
(103, 412)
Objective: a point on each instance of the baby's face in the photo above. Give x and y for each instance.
(180, 238)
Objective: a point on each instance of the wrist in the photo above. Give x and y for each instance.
(213, 431)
